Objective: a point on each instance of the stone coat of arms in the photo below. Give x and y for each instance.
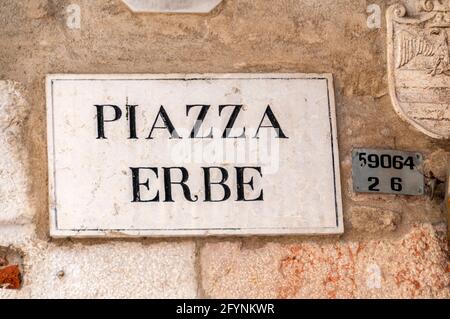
(419, 64)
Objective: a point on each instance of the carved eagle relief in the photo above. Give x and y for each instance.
(436, 45)
(418, 63)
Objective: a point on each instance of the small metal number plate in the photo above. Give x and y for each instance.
(387, 171)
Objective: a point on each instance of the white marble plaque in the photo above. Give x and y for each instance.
(172, 6)
(195, 154)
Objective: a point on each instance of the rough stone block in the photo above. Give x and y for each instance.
(414, 265)
(373, 219)
(114, 270)
(14, 204)
(437, 163)
(36, 9)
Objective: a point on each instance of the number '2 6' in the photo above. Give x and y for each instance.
(396, 184)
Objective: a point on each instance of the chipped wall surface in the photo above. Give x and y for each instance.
(393, 246)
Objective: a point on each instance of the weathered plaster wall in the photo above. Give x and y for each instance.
(393, 246)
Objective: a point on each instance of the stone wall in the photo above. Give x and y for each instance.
(393, 246)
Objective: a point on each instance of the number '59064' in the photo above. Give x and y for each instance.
(385, 161)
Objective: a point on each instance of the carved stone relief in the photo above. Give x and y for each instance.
(419, 65)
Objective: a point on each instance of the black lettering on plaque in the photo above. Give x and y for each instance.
(199, 121)
(136, 183)
(273, 121)
(131, 115)
(101, 118)
(233, 117)
(208, 183)
(241, 184)
(168, 184)
(167, 124)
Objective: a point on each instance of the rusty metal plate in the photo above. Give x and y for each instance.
(387, 171)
